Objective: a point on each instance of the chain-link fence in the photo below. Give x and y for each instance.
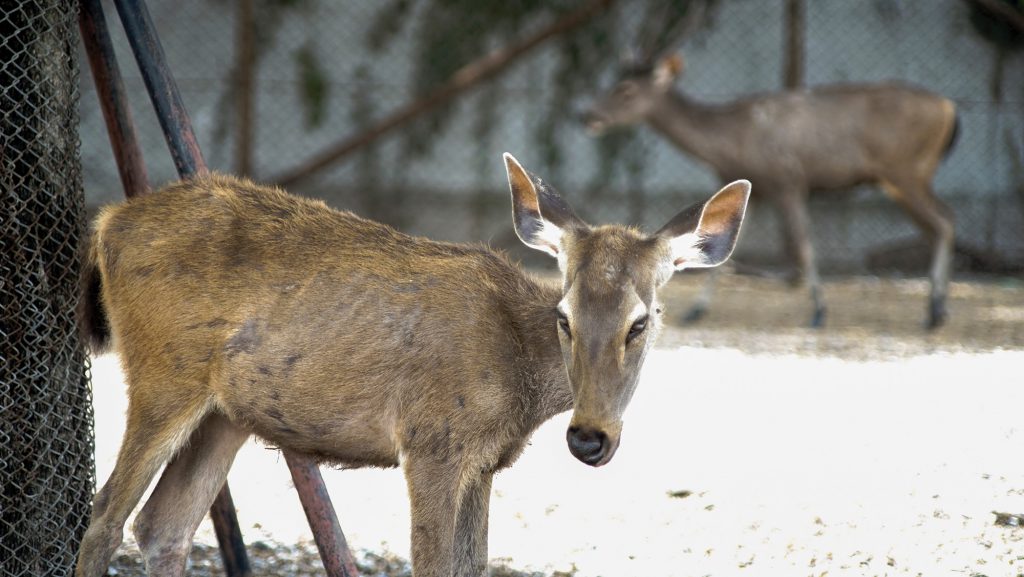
(319, 71)
(46, 456)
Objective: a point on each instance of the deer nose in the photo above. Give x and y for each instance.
(594, 122)
(587, 445)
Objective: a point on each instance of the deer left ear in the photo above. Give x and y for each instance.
(705, 234)
(539, 214)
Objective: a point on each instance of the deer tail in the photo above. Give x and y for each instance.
(94, 329)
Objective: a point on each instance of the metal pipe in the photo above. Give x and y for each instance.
(323, 521)
(113, 98)
(163, 91)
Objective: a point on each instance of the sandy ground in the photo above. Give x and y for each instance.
(753, 446)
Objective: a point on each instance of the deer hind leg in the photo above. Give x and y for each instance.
(796, 225)
(471, 529)
(166, 524)
(153, 436)
(935, 219)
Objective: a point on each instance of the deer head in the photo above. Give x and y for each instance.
(634, 95)
(609, 314)
(649, 69)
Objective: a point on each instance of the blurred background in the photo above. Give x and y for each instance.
(273, 86)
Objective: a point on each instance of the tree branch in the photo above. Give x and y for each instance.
(464, 79)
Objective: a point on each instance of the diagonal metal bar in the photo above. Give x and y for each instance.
(113, 98)
(163, 91)
(316, 502)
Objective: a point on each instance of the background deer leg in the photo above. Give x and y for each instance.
(702, 301)
(935, 220)
(151, 438)
(471, 529)
(166, 524)
(433, 486)
(796, 223)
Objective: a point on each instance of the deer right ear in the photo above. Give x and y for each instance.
(705, 234)
(540, 216)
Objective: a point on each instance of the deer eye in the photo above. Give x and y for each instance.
(563, 323)
(636, 328)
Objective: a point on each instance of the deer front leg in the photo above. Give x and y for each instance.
(433, 490)
(796, 224)
(471, 529)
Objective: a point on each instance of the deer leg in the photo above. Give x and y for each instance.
(796, 224)
(471, 529)
(935, 219)
(433, 489)
(166, 524)
(702, 302)
(153, 436)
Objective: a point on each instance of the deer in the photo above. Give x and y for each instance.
(240, 310)
(795, 142)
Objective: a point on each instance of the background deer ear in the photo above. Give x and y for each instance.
(539, 214)
(705, 234)
(667, 70)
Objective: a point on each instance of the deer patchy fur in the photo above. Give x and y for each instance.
(238, 309)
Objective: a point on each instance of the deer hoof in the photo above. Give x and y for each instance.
(937, 314)
(695, 314)
(818, 319)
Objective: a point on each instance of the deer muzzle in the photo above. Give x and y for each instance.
(591, 445)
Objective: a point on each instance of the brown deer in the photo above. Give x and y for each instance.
(238, 310)
(791, 143)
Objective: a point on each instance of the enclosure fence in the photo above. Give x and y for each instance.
(46, 452)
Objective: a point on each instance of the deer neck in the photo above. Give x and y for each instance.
(546, 389)
(694, 127)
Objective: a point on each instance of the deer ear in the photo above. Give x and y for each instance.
(539, 214)
(705, 234)
(667, 70)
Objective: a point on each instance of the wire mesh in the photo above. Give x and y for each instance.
(46, 456)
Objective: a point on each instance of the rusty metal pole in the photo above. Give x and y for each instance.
(316, 502)
(113, 98)
(163, 91)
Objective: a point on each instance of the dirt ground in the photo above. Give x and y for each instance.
(754, 445)
(868, 317)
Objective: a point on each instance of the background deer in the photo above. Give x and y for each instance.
(239, 310)
(791, 143)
